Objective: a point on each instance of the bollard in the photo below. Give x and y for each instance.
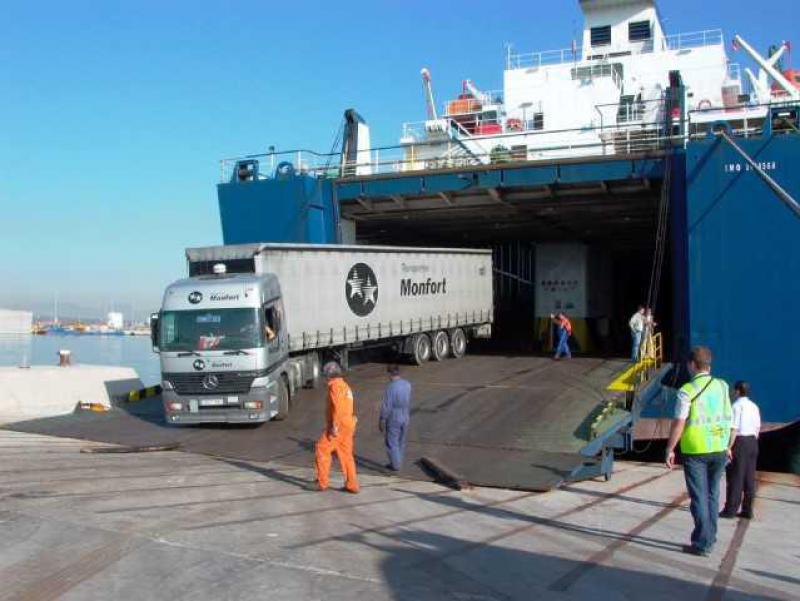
(64, 358)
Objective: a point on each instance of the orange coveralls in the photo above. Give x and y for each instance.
(340, 429)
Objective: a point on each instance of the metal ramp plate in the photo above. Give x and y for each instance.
(510, 422)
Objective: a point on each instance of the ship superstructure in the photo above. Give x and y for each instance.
(605, 94)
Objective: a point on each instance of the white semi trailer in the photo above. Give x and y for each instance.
(252, 323)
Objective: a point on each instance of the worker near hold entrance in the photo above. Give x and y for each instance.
(339, 434)
(394, 417)
(740, 475)
(636, 325)
(564, 332)
(703, 427)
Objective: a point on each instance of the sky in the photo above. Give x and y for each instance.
(114, 115)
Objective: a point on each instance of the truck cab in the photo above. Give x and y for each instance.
(224, 349)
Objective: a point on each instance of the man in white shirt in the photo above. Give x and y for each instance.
(636, 325)
(740, 475)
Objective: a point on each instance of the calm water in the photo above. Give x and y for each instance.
(125, 351)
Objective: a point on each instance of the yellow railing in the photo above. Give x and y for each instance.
(650, 360)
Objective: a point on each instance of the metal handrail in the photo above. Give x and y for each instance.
(678, 41)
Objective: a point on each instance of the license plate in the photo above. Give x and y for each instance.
(211, 402)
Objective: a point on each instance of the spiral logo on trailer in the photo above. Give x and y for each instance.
(361, 289)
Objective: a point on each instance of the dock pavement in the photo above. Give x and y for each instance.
(176, 525)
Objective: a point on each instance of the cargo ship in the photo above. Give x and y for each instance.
(633, 166)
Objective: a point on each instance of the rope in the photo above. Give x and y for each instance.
(337, 141)
(661, 236)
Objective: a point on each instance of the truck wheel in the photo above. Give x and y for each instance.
(458, 343)
(421, 349)
(283, 399)
(313, 371)
(440, 346)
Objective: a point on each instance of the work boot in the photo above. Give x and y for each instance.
(692, 550)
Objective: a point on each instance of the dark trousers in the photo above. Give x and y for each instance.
(703, 474)
(740, 476)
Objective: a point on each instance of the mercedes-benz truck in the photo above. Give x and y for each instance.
(252, 323)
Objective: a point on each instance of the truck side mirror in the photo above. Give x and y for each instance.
(155, 320)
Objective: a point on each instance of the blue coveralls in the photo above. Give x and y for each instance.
(563, 343)
(395, 411)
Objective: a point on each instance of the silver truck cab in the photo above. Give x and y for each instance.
(224, 350)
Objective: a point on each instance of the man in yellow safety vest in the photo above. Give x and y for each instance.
(703, 427)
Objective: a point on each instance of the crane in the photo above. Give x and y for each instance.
(479, 96)
(427, 88)
(761, 83)
(768, 66)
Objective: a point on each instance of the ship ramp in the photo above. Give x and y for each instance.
(517, 422)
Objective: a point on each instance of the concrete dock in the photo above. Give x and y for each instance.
(177, 525)
(46, 391)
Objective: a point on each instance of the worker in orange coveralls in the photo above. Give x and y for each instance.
(340, 429)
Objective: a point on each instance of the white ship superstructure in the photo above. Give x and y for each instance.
(605, 94)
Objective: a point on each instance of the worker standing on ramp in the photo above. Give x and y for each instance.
(703, 427)
(340, 429)
(394, 417)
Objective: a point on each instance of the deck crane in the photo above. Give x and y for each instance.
(469, 86)
(769, 67)
(427, 87)
(761, 83)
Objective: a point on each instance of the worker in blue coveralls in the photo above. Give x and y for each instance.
(395, 414)
(564, 332)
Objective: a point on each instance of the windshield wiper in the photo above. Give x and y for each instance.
(189, 354)
(236, 352)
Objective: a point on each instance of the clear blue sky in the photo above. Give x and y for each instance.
(113, 115)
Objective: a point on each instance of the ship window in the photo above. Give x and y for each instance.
(638, 31)
(537, 123)
(601, 36)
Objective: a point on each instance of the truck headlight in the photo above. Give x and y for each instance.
(173, 406)
(261, 382)
(167, 385)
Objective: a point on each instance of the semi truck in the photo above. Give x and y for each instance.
(252, 323)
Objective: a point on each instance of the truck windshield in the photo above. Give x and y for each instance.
(206, 330)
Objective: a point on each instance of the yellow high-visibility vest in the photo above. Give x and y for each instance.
(708, 427)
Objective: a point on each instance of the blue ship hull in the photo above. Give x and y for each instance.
(735, 248)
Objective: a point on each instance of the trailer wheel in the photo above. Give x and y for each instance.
(313, 371)
(421, 349)
(283, 399)
(440, 346)
(458, 343)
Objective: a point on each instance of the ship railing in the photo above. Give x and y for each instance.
(678, 41)
(528, 60)
(628, 139)
(742, 120)
(694, 39)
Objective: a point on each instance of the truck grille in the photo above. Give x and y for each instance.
(228, 382)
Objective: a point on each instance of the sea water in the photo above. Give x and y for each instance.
(124, 351)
